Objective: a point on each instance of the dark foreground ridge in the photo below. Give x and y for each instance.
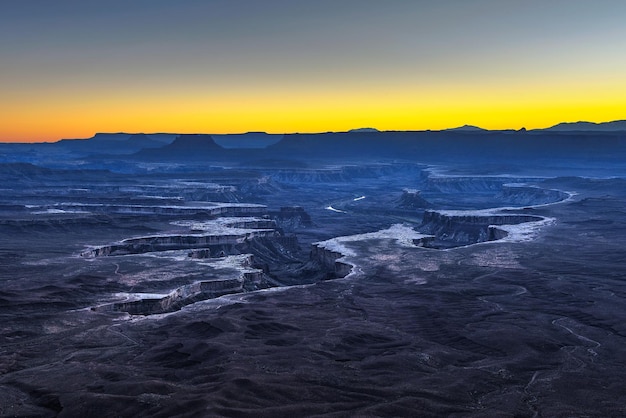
(460, 273)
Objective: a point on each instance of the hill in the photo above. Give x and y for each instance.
(617, 125)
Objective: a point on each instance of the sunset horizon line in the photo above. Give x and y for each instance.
(364, 128)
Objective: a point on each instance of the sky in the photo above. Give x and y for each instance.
(70, 68)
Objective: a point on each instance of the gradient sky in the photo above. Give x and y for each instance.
(70, 68)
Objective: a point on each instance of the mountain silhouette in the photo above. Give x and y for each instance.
(617, 125)
(186, 146)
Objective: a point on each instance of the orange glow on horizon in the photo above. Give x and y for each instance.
(282, 67)
(395, 99)
(333, 108)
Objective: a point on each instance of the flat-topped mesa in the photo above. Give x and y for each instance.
(149, 244)
(331, 260)
(211, 237)
(337, 258)
(217, 209)
(470, 227)
(522, 195)
(475, 183)
(249, 279)
(193, 143)
(475, 218)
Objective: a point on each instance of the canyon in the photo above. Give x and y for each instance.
(363, 273)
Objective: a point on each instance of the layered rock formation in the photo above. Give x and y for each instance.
(453, 228)
(139, 304)
(207, 209)
(339, 256)
(219, 236)
(523, 195)
(329, 260)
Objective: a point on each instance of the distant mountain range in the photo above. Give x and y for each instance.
(617, 125)
(565, 139)
(256, 140)
(614, 126)
(580, 141)
(466, 128)
(152, 140)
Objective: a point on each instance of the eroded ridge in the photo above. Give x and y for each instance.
(458, 228)
(206, 209)
(202, 259)
(239, 247)
(345, 255)
(244, 277)
(216, 236)
(207, 258)
(339, 255)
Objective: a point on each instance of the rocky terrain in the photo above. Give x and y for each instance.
(251, 282)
